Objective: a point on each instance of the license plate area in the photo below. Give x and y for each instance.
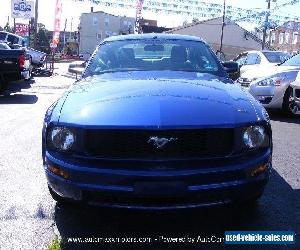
(160, 189)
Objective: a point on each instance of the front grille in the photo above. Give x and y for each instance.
(135, 144)
(245, 82)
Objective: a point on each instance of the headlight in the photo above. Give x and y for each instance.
(254, 136)
(61, 138)
(275, 81)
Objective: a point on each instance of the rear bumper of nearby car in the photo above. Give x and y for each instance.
(159, 189)
(26, 74)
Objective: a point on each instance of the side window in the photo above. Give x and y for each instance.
(252, 59)
(241, 59)
(2, 36)
(12, 39)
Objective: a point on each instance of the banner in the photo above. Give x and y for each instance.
(57, 22)
(138, 18)
(22, 29)
(22, 9)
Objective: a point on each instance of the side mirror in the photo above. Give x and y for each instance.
(233, 69)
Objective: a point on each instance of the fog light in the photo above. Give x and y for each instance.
(58, 171)
(259, 170)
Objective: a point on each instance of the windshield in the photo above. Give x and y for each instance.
(4, 46)
(153, 55)
(294, 61)
(276, 57)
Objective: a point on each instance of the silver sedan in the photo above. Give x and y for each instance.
(273, 87)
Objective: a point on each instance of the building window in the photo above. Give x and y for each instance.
(125, 23)
(99, 36)
(281, 38)
(273, 38)
(106, 21)
(95, 20)
(295, 37)
(287, 37)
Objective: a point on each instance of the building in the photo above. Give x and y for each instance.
(150, 26)
(96, 26)
(286, 37)
(235, 40)
(189, 9)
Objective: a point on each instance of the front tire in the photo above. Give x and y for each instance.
(289, 106)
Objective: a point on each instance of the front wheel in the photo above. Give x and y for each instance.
(289, 105)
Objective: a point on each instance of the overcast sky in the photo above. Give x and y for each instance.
(71, 10)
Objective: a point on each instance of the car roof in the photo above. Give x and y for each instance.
(11, 34)
(153, 36)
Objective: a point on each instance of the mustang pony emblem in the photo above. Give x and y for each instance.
(160, 142)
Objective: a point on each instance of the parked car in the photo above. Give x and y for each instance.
(13, 66)
(77, 67)
(274, 89)
(259, 60)
(37, 58)
(10, 38)
(296, 93)
(151, 125)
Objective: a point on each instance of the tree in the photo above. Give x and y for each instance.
(185, 23)
(42, 39)
(195, 20)
(8, 28)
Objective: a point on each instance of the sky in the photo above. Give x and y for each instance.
(46, 12)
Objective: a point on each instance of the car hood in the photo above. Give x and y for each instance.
(99, 101)
(269, 71)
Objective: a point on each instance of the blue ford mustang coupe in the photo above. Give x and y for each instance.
(155, 122)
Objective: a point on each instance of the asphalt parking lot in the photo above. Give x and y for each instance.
(30, 219)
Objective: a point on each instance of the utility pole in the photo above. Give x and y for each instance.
(266, 24)
(36, 22)
(65, 32)
(223, 26)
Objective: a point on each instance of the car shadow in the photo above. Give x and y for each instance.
(277, 210)
(277, 115)
(18, 99)
(12, 95)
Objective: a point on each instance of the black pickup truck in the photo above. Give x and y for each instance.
(14, 65)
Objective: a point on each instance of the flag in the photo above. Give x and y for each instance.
(57, 22)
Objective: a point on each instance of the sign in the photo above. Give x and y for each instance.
(57, 22)
(22, 29)
(22, 9)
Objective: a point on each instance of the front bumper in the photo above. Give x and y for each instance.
(159, 189)
(268, 96)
